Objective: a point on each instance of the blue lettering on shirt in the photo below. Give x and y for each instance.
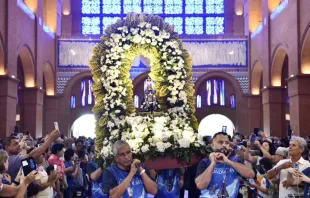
(222, 172)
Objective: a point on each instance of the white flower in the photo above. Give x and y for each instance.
(167, 145)
(145, 148)
(160, 146)
(137, 38)
(184, 143)
(126, 47)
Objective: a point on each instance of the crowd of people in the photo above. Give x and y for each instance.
(238, 166)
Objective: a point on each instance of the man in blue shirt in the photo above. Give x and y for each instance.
(218, 176)
(127, 179)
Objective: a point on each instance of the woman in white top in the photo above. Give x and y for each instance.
(45, 181)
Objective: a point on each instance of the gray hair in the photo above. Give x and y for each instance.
(301, 141)
(117, 145)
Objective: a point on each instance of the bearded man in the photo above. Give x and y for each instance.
(218, 175)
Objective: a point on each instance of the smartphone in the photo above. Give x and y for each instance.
(56, 126)
(239, 148)
(224, 129)
(253, 138)
(28, 165)
(55, 167)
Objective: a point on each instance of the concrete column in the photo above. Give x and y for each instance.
(8, 101)
(50, 113)
(31, 109)
(255, 112)
(299, 100)
(274, 111)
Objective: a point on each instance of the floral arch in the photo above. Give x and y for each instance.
(173, 132)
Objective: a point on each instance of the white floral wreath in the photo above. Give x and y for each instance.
(175, 129)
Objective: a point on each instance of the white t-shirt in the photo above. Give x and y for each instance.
(42, 177)
(263, 184)
(301, 165)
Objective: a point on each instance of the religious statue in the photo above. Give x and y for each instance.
(150, 103)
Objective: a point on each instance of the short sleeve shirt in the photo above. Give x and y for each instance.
(14, 165)
(301, 165)
(110, 182)
(53, 159)
(221, 172)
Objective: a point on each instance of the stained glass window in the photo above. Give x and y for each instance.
(91, 6)
(198, 102)
(215, 6)
(194, 7)
(111, 7)
(83, 92)
(209, 91)
(173, 7)
(215, 91)
(194, 25)
(189, 17)
(106, 21)
(132, 6)
(153, 7)
(215, 25)
(222, 93)
(136, 101)
(232, 101)
(177, 23)
(90, 92)
(72, 102)
(91, 25)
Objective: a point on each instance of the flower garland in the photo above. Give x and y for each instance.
(174, 132)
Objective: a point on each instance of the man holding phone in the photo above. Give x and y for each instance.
(12, 147)
(218, 175)
(127, 178)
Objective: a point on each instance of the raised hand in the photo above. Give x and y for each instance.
(133, 168)
(30, 177)
(220, 157)
(287, 165)
(212, 157)
(54, 135)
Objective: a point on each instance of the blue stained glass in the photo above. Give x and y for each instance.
(215, 6)
(215, 25)
(132, 6)
(232, 101)
(198, 101)
(153, 7)
(106, 21)
(194, 7)
(91, 6)
(111, 6)
(136, 101)
(83, 92)
(209, 92)
(90, 25)
(90, 95)
(177, 23)
(173, 7)
(193, 25)
(222, 93)
(72, 102)
(215, 91)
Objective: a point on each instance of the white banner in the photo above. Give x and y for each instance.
(211, 53)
